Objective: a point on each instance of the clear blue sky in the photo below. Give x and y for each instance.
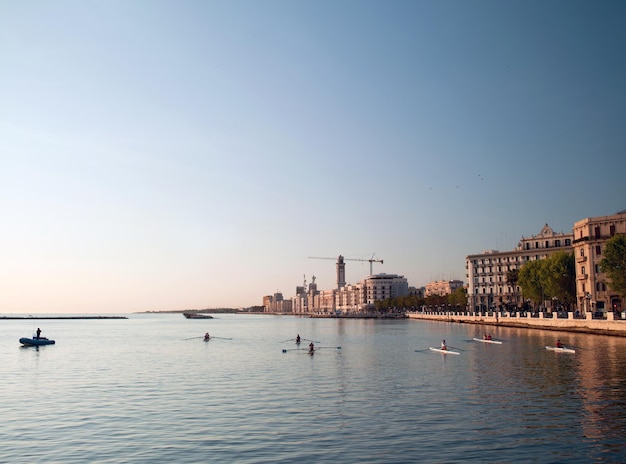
(191, 154)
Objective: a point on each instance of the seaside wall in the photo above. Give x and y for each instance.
(608, 326)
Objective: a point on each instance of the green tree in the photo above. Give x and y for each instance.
(558, 277)
(530, 279)
(613, 263)
(512, 277)
(458, 297)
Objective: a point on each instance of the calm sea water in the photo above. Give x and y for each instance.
(141, 390)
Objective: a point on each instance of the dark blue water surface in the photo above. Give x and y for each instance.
(141, 390)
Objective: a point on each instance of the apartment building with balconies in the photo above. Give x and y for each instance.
(442, 287)
(593, 291)
(488, 288)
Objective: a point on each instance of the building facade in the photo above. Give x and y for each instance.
(593, 291)
(488, 288)
(276, 304)
(347, 298)
(442, 287)
(383, 287)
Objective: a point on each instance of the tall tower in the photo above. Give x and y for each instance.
(341, 272)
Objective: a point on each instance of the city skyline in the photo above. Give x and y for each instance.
(166, 156)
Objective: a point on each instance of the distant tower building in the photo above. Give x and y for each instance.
(341, 272)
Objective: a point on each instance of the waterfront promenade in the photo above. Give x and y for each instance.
(609, 326)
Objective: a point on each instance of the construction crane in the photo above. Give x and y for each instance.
(371, 260)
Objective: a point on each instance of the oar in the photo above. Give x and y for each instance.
(314, 341)
(455, 348)
(577, 347)
(334, 347)
(292, 349)
(420, 351)
(191, 338)
(223, 338)
(288, 340)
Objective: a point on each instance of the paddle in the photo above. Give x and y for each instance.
(421, 351)
(578, 347)
(223, 338)
(314, 341)
(288, 340)
(191, 338)
(333, 347)
(455, 348)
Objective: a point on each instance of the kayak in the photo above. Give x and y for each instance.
(36, 341)
(498, 342)
(439, 350)
(561, 350)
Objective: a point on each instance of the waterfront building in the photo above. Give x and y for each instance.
(346, 298)
(593, 291)
(267, 303)
(276, 304)
(417, 292)
(383, 287)
(442, 287)
(488, 288)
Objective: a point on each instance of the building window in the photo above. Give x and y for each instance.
(568, 242)
(557, 243)
(582, 252)
(612, 230)
(596, 232)
(547, 244)
(598, 250)
(582, 270)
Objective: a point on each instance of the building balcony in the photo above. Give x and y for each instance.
(581, 259)
(582, 277)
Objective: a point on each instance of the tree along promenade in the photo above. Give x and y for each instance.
(567, 322)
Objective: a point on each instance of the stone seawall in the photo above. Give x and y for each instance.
(608, 326)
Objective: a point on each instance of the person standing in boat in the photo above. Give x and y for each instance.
(38, 333)
(311, 347)
(206, 337)
(443, 345)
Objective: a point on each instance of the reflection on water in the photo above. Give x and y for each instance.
(148, 389)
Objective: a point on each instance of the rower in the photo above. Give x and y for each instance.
(206, 337)
(559, 344)
(443, 345)
(488, 336)
(311, 347)
(298, 339)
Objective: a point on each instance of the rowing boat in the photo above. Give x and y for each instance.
(439, 350)
(36, 341)
(560, 349)
(497, 342)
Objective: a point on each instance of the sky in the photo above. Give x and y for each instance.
(168, 155)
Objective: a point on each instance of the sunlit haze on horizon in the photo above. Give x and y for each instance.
(161, 155)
